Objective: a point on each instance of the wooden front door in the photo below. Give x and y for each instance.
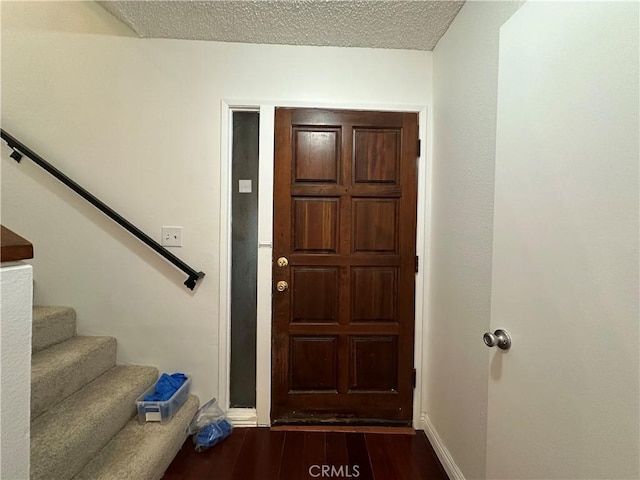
(345, 187)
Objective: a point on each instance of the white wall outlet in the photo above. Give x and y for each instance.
(171, 237)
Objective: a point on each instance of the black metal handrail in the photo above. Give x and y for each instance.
(19, 149)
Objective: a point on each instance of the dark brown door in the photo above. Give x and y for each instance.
(343, 305)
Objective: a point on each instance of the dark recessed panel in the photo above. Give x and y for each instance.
(314, 294)
(373, 294)
(376, 156)
(374, 363)
(316, 155)
(313, 363)
(315, 225)
(244, 261)
(374, 225)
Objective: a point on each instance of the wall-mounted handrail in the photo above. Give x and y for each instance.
(19, 149)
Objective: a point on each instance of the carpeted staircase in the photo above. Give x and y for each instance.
(83, 407)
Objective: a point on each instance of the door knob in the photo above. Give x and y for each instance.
(282, 262)
(281, 286)
(499, 338)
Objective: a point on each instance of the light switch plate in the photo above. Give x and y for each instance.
(171, 237)
(244, 186)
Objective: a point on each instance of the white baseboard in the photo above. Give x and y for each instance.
(443, 454)
(243, 417)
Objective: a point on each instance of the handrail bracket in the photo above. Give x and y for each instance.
(193, 279)
(15, 154)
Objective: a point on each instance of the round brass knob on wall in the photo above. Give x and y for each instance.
(281, 286)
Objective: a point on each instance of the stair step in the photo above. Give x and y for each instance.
(141, 452)
(64, 368)
(52, 325)
(67, 436)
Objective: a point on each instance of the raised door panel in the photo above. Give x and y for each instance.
(315, 225)
(375, 225)
(313, 363)
(314, 294)
(374, 294)
(316, 155)
(373, 363)
(376, 156)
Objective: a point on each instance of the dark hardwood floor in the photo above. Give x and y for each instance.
(261, 454)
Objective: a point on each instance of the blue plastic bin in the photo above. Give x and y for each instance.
(162, 411)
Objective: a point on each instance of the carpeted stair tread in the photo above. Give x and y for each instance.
(67, 436)
(52, 325)
(64, 368)
(141, 452)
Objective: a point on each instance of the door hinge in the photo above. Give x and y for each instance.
(419, 147)
(414, 378)
(417, 263)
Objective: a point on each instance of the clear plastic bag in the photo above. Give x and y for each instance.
(209, 426)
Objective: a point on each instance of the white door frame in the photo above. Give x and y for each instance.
(260, 416)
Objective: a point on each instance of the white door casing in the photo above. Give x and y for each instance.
(261, 415)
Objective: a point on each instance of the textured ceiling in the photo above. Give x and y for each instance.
(414, 25)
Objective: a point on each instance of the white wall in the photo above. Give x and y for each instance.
(138, 123)
(456, 362)
(16, 289)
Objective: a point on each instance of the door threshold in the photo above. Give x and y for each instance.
(344, 429)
